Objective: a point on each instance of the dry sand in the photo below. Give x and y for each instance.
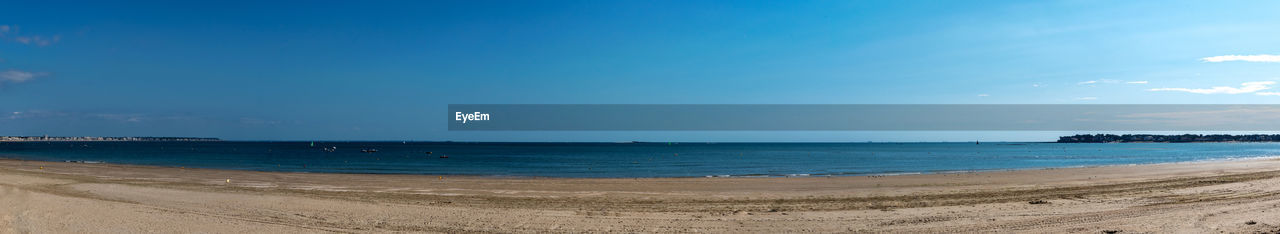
(55, 197)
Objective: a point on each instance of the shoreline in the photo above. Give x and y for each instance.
(797, 175)
(39, 196)
(1168, 169)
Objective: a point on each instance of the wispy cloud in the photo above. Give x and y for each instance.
(1108, 81)
(1086, 98)
(38, 40)
(118, 117)
(1246, 87)
(134, 118)
(1262, 58)
(257, 121)
(16, 76)
(984, 95)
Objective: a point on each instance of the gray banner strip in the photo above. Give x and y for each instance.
(862, 117)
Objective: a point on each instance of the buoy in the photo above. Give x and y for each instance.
(41, 168)
(228, 180)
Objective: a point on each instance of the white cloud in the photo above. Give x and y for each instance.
(37, 40)
(1102, 81)
(1246, 87)
(984, 95)
(1262, 58)
(26, 39)
(130, 118)
(16, 76)
(1136, 82)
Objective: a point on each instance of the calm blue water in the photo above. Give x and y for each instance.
(629, 159)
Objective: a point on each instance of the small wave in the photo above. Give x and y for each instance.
(84, 161)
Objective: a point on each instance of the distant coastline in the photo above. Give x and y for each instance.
(1079, 138)
(88, 138)
(1184, 138)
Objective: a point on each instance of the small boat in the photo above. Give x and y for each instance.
(369, 150)
(444, 156)
(428, 152)
(330, 149)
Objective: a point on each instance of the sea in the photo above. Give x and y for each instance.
(631, 160)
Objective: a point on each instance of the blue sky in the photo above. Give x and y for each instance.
(386, 70)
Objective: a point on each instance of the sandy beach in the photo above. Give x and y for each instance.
(1201, 197)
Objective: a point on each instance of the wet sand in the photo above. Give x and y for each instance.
(57, 197)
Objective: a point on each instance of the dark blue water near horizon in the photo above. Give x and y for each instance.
(624, 160)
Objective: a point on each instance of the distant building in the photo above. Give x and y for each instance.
(47, 138)
(1185, 138)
